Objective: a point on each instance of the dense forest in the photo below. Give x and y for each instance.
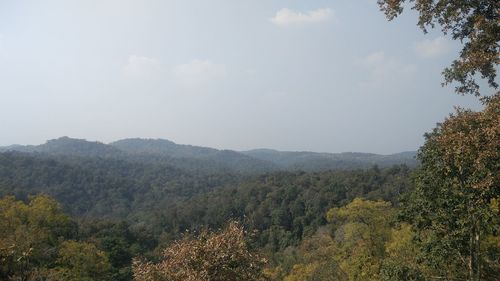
(128, 210)
(149, 210)
(68, 215)
(154, 210)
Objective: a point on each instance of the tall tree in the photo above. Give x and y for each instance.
(454, 207)
(80, 261)
(34, 244)
(361, 230)
(315, 260)
(30, 235)
(475, 23)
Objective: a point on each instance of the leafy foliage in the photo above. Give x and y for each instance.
(360, 245)
(312, 260)
(220, 256)
(361, 230)
(314, 162)
(281, 208)
(159, 202)
(457, 188)
(99, 187)
(401, 256)
(80, 261)
(120, 242)
(474, 23)
(34, 244)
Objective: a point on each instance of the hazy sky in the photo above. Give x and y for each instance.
(327, 76)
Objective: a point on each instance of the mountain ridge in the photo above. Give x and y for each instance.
(258, 160)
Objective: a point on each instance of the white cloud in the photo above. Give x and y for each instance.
(433, 48)
(140, 66)
(373, 59)
(200, 69)
(288, 17)
(383, 71)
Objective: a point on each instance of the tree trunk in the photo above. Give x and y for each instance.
(474, 251)
(477, 239)
(471, 254)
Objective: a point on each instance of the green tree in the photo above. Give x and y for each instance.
(474, 23)
(319, 263)
(35, 244)
(452, 208)
(30, 235)
(401, 261)
(361, 230)
(80, 261)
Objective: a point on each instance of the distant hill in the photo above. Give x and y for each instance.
(313, 161)
(100, 186)
(164, 147)
(185, 157)
(209, 160)
(68, 146)
(98, 179)
(228, 160)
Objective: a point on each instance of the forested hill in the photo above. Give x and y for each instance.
(68, 146)
(209, 160)
(158, 204)
(189, 158)
(134, 175)
(313, 161)
(99, 186)
(283, 205)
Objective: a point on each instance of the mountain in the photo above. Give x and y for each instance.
(163, 147)
(69, 147)
(314, 161)
(134, 175)
(154, 151)
(209, 160)
(100, 186)
(228, 160)
(171, 149)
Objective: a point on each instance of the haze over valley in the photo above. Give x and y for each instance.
(250, 140)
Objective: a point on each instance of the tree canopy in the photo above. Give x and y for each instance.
(36, 244)
(476, 24)
(218, 256)
(454, 207)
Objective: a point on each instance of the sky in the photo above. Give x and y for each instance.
(326, 76)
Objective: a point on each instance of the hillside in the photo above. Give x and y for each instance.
(172, 200)
(184, 157)
(101, 187)
(313, 161)
(225, 160)
(68, 146)
(209, 160)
